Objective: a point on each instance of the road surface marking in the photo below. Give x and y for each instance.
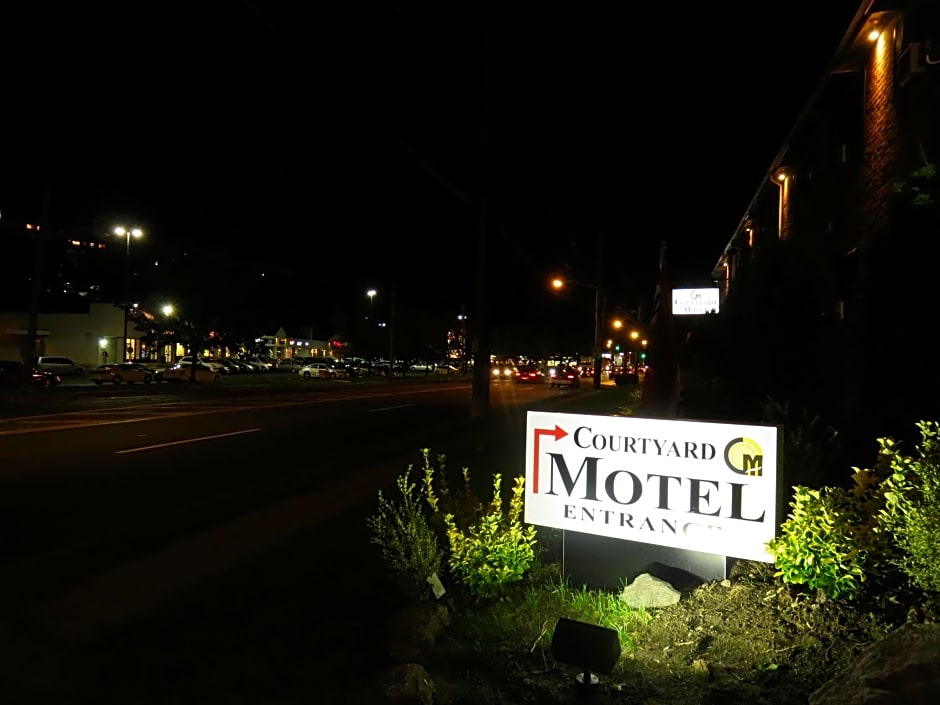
(188, 440)
(71, 420)
(392, 408)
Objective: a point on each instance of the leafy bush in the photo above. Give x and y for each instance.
(488, 548)
(831, 541)
(461, 502)
(410, 547)
(912, 505)
(496, 550)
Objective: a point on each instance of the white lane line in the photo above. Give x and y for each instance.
(188, 440)
(158, 415)
(391, 408)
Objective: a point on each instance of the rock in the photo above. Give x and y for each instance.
(701, 669)
(649, 591)
(406, 684)
(413, 630)
(904, 667)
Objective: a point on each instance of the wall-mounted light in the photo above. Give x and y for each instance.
(873, 35)
(782, 181)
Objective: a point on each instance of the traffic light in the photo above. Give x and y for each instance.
(642, 355)
(617, 348)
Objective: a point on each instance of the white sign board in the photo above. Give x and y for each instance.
(691, 302)
(708, 487)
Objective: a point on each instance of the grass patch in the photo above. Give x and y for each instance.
(529, 612)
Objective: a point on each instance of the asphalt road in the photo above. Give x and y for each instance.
(91, 478)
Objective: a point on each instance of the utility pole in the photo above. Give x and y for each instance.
(598, 309)
(391, 330)
(28, 348)
(480, 400)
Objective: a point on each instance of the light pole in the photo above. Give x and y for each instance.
(127, 233)
(559, 283)
(168, 311)
(371, 293)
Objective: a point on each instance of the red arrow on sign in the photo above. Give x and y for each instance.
(557, 433)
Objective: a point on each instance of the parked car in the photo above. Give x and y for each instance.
(359, 366)
(115, 373)
(247, 366)
(263, 364)
(230, 367)
(11, 375)
(292, 364)
(211, 364)
(321, 370)
(155, 366)
(445, 368)
(62, 366)
(381, 367)
(351, 369)
(181, 373)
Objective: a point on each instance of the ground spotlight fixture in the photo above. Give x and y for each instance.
(590, 647)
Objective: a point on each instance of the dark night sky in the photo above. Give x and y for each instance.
(276, 127)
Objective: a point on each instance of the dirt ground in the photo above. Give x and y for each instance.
(746, 640)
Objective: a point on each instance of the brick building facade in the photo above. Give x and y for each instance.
(874, 118)
(851, 266)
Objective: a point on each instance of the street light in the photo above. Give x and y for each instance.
(391, 326)
(558, 283)
(168, 311)
(126, 233)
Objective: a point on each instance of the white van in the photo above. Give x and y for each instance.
(62, 366)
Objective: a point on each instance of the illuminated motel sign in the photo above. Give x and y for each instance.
(694, 302)
(707, 487)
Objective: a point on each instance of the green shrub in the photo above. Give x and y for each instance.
(831, 540)
(461, 502)
(912, 505)
(498, 549)
(410, 547)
